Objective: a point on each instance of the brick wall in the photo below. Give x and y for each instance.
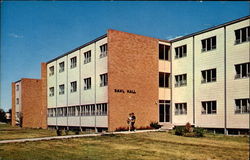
(44, 95)
(13, 100)
(132, 65)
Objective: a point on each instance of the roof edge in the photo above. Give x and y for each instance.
(80, 47)
(210, 29)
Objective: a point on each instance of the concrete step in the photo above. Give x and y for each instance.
(167, 126)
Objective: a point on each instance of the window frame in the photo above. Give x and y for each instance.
(180, 51)
(209, 41)
(73, 62)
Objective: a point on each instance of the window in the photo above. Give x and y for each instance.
(65, 111)
(61, 89)
(104, 80)
(73, 62)
(163, 52)
(208, 44)
(88, 110)
(50, 112)
(208, 76)
(164, 80)
(104, 49)
(181, 51)
(180, 108)
(242, 35)
(87, 83)
(61, 67)
(17, 100)
(181, 80)
(242, 106)
(51, 71)
(17, 87)
(72, 111)
(208, 107)
(51, 91)
(87, 57)
(73, 86)
(101, 109)
(59, 112)
(242, 70)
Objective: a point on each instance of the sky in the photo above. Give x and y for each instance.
(38, 31)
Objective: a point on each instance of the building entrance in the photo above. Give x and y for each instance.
(164, 111)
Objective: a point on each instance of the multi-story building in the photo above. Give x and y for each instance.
(201, 78)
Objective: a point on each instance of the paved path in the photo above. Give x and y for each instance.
(72, 136)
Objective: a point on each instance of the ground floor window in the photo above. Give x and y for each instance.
(180, 108)
(164, 111)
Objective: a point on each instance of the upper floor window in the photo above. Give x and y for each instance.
(51, 91)
(104, 80)
(208, 107)
(163, 52)
(72, 111)
(181, 80)
(208, 44)
(17, 87)
(103, 49)
(164, 80)
(87, 57)
(242, 35)
(51, 71)
(181, 51)
(73, 62)
(73, 86)
(61, 89)
(242, 70)
(87, 83)
(61, 67)
(242, 106)
(208, 76)
(180, 108)
(17, 100)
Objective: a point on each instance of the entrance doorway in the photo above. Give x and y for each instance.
(164, 111)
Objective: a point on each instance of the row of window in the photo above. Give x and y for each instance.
(242, 71)
(73, 60)
(73, 85)
(83, 110)
(242, 106)
(241, 35)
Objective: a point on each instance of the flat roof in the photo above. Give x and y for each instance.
(80, 47)
(210, 29)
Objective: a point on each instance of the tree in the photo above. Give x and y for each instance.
(2, 116)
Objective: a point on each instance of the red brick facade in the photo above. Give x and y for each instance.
(132, 65)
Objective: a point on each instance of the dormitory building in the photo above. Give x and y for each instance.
(201, 78)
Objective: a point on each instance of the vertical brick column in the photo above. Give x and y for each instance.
(44, 95)
(13, 99)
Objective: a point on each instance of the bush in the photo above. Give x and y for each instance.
(188, 128)
(59, 132)
(144, 128)
(179, 130)
(122, 129)
(155, 125)
(199, 132)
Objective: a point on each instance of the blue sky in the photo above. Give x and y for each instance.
(35, 32)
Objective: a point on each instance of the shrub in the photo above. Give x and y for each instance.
(179, 130)
(188, 128)
(122, 129)
(59, 132)
(199, 132)
(155, 125)
(190, 134)
(144, 128)
(66, 132)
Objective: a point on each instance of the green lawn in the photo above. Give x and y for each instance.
(150, 146)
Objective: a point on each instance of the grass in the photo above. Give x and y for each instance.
(150, 146)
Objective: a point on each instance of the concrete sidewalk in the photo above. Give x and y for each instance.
(73, 136)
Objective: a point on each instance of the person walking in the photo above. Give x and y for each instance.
(133, 118)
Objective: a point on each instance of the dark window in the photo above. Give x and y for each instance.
(208, 76)
(242, 70)
(181, 51)
(164, 80)
(209, 107)
(242, 35)
(208, 44)
(163, 52)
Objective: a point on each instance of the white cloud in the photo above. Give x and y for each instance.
(14, 35)
(172, 37)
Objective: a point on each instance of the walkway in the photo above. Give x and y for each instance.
(72, 136)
